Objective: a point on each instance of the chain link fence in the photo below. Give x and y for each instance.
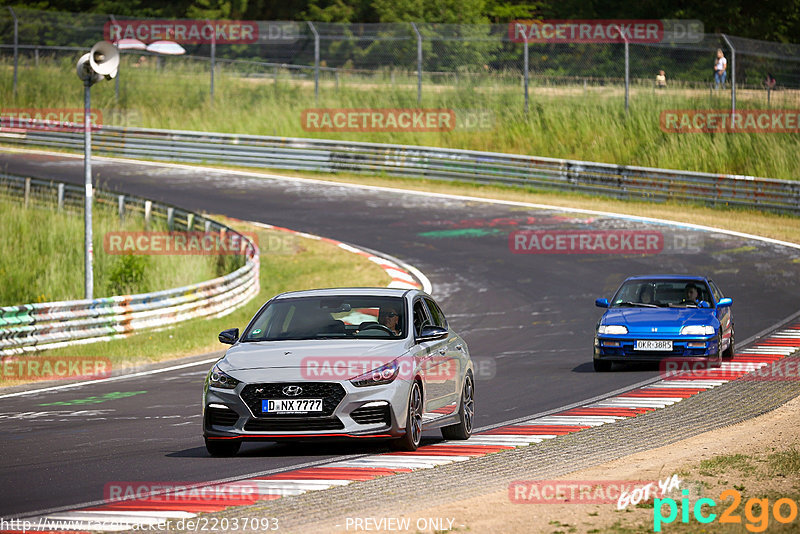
(424, 58)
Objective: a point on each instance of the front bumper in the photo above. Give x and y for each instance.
(621, 348)
(348, 412)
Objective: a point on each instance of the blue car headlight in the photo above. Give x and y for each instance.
(384, 374)
(698, 330)
(219, 379)
(612, 329)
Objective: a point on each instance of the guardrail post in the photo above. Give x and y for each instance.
(16, 47)
(148, 209)
(60, 197)
(189, 222)
(27, 191)
(170, 217)
(208, 226)
(316, 60)
(733, 74)
(121, 208)
(419, 63)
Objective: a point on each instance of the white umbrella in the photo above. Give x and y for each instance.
(130, 44)
(166, 48)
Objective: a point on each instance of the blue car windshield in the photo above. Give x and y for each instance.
(340, 317)
(659, 293)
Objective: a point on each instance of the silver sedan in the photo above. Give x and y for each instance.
(340, 363)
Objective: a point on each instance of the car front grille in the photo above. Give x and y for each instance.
(331, 394)
(369, 415)
(221, 417)
(294, 424)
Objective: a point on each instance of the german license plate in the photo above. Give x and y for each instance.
(291, 405)
(652, 344)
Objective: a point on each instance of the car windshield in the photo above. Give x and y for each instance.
(339, 317)
(658, 293)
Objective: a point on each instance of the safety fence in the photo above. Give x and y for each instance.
(33, 327)
(331, 156)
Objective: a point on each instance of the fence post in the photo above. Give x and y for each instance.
(316, 60)
(733, 74)
(60, 196)
(27, 191)
(419, 63)
(16, 47)
(189, 222)
(170, 217)
(148, 208)
(627, 73)
(527, 56)
(121, 208)
(213, 59)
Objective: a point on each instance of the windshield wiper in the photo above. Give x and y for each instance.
(642, 304)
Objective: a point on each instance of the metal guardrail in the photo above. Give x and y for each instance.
(620, 181)
(33, 327)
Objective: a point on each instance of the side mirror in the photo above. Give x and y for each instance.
(724, 303)
(432, 333)
(229, 336)
(601, 303)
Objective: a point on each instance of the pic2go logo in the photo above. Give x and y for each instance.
(756, 511)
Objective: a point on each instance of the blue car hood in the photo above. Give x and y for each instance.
(666, 320)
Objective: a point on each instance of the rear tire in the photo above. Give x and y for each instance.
(601, 366)
(410, 441)
(228, 447)
(463, 429)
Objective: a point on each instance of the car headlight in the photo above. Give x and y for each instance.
(218, 379)
(698, 330)
(612, 329)
(384, 374)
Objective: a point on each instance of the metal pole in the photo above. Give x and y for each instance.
(526, 71)
(419, 63)
(316, 60)
(87, 175)
(16, 47)
(733, 74)
(116, 78)
(213, 61)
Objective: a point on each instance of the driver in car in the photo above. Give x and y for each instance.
(389, 318)
(691, 294)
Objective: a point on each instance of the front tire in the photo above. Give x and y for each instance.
(222, 448)
(463, 429)
(728, 354)
(410, 441)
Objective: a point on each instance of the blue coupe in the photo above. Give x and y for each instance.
(651, 318)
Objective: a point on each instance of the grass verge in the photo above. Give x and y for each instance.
(573, 122)
(51, 267)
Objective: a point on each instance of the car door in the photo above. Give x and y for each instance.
(431, 352)
(451, 363)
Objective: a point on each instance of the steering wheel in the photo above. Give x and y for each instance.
(378, 326)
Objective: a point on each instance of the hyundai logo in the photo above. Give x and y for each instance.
(292, 391)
